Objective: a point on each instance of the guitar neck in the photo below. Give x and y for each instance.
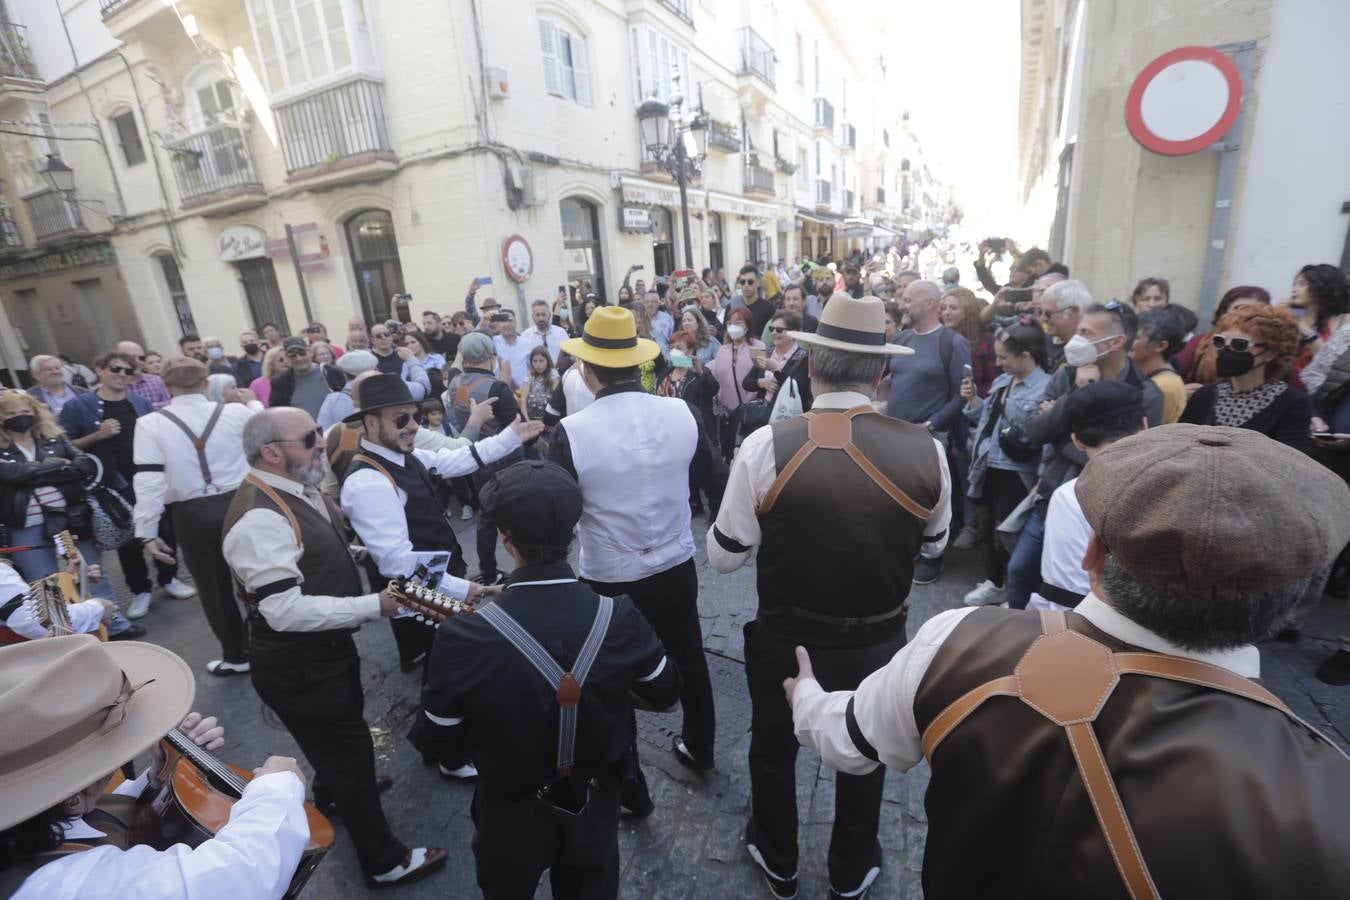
(205, 761)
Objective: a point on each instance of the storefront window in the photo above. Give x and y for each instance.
(374, 249)
(663, 248)
(581, 246)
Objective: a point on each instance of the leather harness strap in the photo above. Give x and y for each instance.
(370, 461)
(272, 495)
(833, 430)
(1067, 677)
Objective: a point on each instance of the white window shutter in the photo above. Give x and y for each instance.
(580, 70)
(548, 46)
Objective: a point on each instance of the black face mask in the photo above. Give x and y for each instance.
(250, 349)
(1230, 363)
(19, 424)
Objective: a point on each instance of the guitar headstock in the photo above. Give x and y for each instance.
(47, 603)
(66, 550)
(427, 605)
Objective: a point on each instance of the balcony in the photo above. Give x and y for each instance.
(723, 136)
(9, 231)
(338, 135)
(824, 117)
(758, 180)
(54, 215)
(214, 171)
(756, 56)
(785, 166)
(846, 200)
(15, 60)
(848, 136)
(109, 7)
(682, 9)
(822, 193)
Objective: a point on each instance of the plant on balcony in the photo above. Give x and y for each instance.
(787, 168)
(723, 135)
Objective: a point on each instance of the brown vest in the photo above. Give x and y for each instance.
(842, 525)
(115, 816)
(326, 563)
(1225, 795)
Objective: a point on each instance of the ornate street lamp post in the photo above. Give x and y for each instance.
(678, 145)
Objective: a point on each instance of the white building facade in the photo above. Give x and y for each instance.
(240, 162)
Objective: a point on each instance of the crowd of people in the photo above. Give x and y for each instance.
(845, 425)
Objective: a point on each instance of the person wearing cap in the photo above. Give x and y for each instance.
(1070, 749)
(393, 358)
(63, 836)
(840, 502)
(287, 547)
(189, 459)
(538, 805)
(388, 496)
(303, 383)
(338, 405)
(633, 454)
(1099, 415)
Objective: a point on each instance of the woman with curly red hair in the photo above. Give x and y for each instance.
(1253, 349)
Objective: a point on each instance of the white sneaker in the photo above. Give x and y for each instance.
(985, 594)
(466, 513)
(179, 591)
(140, 605)
(467, 771)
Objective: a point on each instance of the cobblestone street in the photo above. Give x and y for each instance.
(692, 846)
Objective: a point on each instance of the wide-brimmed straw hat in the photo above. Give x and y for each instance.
(611, 340)
(851, 324)
(75, 710)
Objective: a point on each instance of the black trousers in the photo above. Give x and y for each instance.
(486, 531)
(1003, 490)
(132, 555)
(199, 525)
(669, 600)
(516, 839)
(854, 848)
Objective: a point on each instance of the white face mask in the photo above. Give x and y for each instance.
(736, 332)
(1079, 351)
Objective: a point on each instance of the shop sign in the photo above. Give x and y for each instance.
(636, 218)
(649, 194)
(240, 242)
(100, 254)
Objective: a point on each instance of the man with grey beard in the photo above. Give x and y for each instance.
(286, 545)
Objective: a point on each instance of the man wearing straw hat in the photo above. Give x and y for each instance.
(75, 710)
(632, 453)
(840, 502)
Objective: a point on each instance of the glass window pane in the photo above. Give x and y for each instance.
(311, 34)
(337, 33)
(372, 236)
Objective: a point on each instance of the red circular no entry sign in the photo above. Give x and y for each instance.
(1184, 100)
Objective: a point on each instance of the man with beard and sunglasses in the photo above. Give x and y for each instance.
(395, 509)
(287, 547)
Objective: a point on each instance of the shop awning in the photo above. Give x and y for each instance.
(817, 218)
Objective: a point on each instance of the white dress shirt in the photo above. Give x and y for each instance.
(1067, 535)
(160, 442)
(517, 353)
(550, 339)
(253, 856)
(85, 616)
(375, 508)
(261, 549)
(883, 705)
(754, 471)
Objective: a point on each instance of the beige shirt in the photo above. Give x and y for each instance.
(261, 549)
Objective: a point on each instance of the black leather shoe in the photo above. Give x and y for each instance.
(780, 887)
(433, 858)
(1335, 669)
(686, 759)
(134, 633)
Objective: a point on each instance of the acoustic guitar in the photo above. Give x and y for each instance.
(72, 582)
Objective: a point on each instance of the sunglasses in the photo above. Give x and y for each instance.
(743, 281)
(121, 370)
(378, 335)
(308, 441)
(402, 419)
(1241, 345)
(296, 351)
(778, 329)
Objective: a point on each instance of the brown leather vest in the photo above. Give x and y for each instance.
(842, 525)
(326, 563)
(1227, 796)
(115, 815)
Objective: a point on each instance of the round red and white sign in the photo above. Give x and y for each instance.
(1184, 100)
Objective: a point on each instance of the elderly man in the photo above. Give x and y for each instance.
(1053, 775)
(216, 359)
(840, 502)
(144, 384)
(51, 387)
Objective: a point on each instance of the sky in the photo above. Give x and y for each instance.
(963, 58)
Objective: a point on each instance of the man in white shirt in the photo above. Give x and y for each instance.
(189, 460)
(840, 502)
(663, 323)
(287, 546)
(1069, 749)
(66, 837)
(388, 496)
(1098, 415)
(512, 349)
(631, 453)
(544, 333)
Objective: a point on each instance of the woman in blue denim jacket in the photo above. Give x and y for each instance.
(1003, 465)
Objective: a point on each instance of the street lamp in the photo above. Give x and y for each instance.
(58, 175)
(665, 132)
